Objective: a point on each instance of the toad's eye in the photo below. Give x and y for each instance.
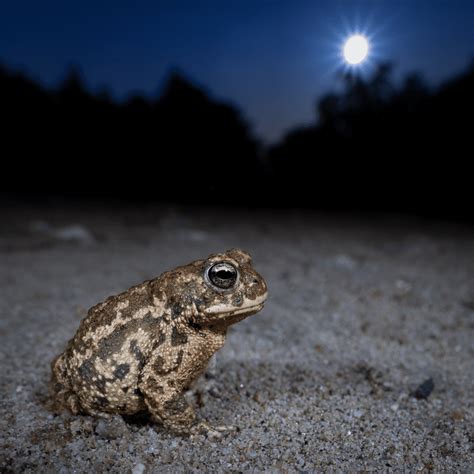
(223, 275)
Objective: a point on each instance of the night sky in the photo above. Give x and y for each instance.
(271, 58)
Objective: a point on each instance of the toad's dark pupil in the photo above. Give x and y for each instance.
(223, 275)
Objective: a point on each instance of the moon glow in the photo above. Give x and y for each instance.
(356, 49)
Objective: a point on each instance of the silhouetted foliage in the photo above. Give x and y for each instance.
(182, 146)
(375, 145)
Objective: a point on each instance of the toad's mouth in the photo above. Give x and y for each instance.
(249, 307)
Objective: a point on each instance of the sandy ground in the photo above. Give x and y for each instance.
(361, 312)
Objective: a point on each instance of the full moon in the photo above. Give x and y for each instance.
(356, 49)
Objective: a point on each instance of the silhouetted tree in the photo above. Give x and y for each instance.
(182, 146)
(378, 146)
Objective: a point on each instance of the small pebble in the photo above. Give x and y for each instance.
(111, 429)
(424, 390)
(138, 469)
(457, 415)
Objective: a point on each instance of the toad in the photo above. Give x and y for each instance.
(142, 349)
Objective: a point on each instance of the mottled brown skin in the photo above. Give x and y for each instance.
(142, 349)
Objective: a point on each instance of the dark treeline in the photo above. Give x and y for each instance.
(381, 147)
(72, 142)
(374, 146)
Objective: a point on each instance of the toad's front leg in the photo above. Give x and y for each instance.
(162, 384)
(166, 377)
(170, 372)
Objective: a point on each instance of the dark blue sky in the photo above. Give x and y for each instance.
(271, 58)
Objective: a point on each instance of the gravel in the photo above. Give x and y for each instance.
(363, 313)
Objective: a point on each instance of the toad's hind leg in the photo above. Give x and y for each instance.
(61, 390)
